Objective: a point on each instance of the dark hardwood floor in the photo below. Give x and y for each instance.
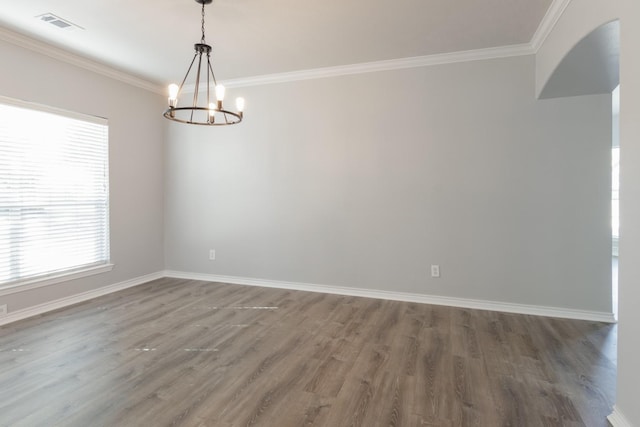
(188, 353)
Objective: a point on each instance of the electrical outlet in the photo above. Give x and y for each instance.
(212, 254)
(435, 271)
(3, 310)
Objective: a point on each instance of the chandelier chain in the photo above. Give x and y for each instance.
(203, 42)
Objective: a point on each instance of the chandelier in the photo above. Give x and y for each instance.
(202, 110)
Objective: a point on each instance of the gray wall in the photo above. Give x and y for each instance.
(136, 161)
(364, 181)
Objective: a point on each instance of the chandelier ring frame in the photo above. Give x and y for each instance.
(170, 113)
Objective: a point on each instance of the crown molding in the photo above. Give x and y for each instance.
(547, 24)
(77, 60)
(386, 65)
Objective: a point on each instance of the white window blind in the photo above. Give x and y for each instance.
(54, 192)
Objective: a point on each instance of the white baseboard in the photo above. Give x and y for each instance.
(617, 419)
(402, 296)
(339, 290)
(74, 299)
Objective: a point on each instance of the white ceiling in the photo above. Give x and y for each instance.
(154, 39)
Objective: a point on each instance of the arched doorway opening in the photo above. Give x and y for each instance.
(592, 67)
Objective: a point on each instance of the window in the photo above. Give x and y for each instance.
(54, 192)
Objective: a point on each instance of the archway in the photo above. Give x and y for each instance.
(592, 67)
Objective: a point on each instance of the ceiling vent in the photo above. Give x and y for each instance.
(56, 21)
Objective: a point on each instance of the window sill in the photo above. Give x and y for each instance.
(53, 279)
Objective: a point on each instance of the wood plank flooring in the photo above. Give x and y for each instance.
(187, 353)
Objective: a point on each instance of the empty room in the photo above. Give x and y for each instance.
(278, 213)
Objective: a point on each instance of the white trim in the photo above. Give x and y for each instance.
(547, 24)
(53, 110)
(74, 299)
(77, 60)
(387, 65)
(341, 70)
(52, 279)
(617, 419)
(402, 296)
(338, 290)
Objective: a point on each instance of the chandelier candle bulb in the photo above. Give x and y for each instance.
(212, 113)
(240, 105)
(173, 95)
(220, 89)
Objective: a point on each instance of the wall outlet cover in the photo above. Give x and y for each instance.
(435, 271)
